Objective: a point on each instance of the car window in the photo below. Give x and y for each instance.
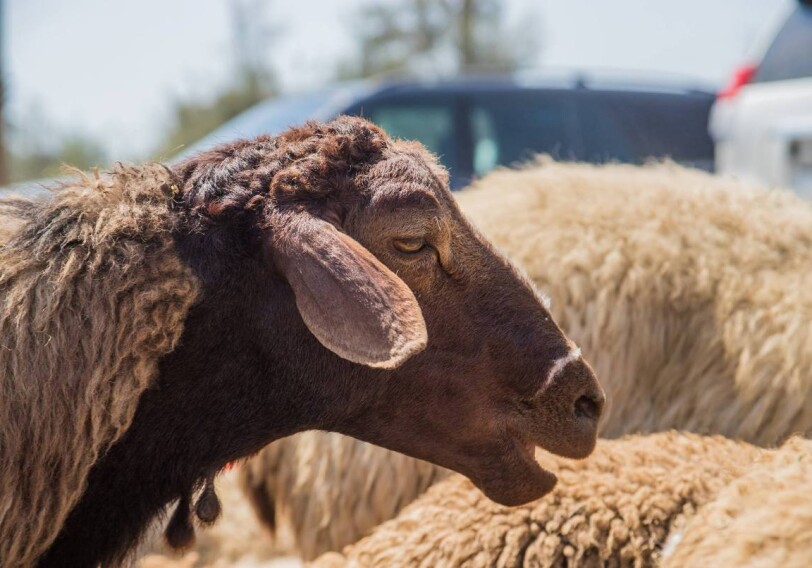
(485, 143)
(507, 128)
(602, 134)
(430, 122)
(630, 126)
(790, 55)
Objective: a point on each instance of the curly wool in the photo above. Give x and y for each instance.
(92, 294)
(614, 509)
(689, 303)
(762, 520)
(304, 469)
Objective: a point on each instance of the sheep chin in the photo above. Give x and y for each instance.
(517, 478)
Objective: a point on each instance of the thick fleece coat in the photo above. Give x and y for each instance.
(305, 469)
(688, 293)
(615, 509)
(65, 400)
(762, 520)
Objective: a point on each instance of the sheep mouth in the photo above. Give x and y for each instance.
(517, 478)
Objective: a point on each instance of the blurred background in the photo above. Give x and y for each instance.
(481, 82)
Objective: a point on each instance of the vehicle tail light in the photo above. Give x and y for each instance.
(740, 78)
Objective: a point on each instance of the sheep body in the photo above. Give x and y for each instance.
(686, 291)
(762, 520)
(93, 241)
(615, 509)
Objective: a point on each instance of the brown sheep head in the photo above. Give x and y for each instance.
(340, 289)
(431, 343)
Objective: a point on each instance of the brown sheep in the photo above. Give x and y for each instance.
(615, 509)
(158, 324)
(687, 292)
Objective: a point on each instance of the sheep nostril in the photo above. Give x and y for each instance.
(587, 407)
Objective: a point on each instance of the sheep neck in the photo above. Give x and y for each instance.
(199, 417)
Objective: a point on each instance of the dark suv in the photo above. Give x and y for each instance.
(476, 124)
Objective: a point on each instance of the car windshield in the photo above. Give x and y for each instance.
(790, 55)
(271, 117)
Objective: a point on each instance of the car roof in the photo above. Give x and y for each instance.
(552, 79)
(326, 103)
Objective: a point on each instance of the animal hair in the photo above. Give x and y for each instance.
(92, 294)
(761, 520)
(301, 167)
(615, 509)
(308, 463)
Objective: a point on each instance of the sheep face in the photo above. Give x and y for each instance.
(378, 311)
(467, 366)
(497, 376)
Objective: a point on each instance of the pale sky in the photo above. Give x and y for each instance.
(111, 68)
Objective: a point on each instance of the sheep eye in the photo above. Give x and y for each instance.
(409, 246)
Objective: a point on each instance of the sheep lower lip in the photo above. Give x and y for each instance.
(511, 477)
(541, 480)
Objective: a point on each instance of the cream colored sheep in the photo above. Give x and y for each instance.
(762, 520)
(363, 506)
(615, 509)
(688, 293)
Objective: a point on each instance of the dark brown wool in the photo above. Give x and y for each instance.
(92, 294)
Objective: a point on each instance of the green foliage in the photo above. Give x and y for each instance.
(452, 35)
(253, 81)
(393, 36)
(38, 161)
(37, 152)
(193, 120)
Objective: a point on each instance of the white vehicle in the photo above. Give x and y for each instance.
(762, 122)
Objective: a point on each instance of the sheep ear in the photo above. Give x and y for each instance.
(354, 305)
